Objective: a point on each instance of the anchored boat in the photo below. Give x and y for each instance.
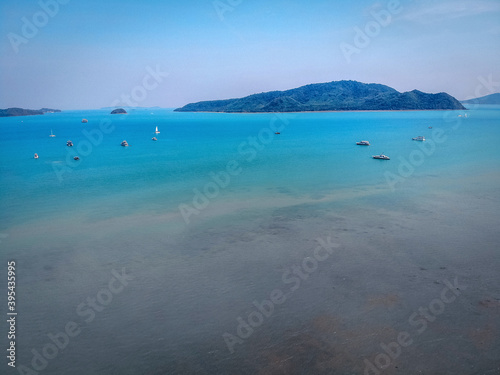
(381, 157)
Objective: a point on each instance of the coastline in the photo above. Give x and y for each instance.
(332, 111)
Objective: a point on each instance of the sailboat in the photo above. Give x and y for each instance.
(51, 134)
(157, 131)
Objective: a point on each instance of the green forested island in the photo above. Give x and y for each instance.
(488, 99)
(331, 96)
(25, 112)
(118, 111)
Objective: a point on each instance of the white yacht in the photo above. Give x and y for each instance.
(363, 143)
(381, 157)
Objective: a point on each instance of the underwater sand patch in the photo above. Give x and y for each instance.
(384, 301)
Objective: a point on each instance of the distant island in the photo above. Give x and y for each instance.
(331, 96)
(132, 108)
(118, 111)
(488, 99)
(9, 112)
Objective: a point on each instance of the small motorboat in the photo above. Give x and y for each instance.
(69, 144)
(277, 133)
(381, 157)
(124, 144)
(419, 138)
(430, 127)
(35, 156)
(154, 139)
(85, 120)
(363, 143)
(76, 158)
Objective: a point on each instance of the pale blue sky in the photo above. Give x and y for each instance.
(91, 54)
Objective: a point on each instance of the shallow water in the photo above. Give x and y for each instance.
(402, 229)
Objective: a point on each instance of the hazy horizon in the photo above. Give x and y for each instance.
(68, 55)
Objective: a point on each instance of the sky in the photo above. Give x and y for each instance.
(69, 54)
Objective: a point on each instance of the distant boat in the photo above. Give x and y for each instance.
(76, 158)
(419, 138)
(124, 144)
(277, 133)
(35, 156)
(363, 143)
(51, 134)
(430, 127)
(157, 131)
(381, 157)
(85, 120)
(154, 139)
(69, 144)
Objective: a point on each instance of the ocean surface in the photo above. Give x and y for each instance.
(224, 248)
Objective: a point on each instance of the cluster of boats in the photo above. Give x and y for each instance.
(70, 143)
(419, 138)
(124, 143)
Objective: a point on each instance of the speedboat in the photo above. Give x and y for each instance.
(277, 133)
(69, 144)
(154, 139)
(381, 157)
(419, 138)
(124, 144)
(363, 143)
(35, 156)
(85, 120)
(76, 158)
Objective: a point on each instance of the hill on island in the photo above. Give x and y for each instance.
(25, 112)
(331, 96)
(118, 111)
(488, 99)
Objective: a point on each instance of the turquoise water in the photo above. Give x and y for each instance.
(402, 227)
(314, 155)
